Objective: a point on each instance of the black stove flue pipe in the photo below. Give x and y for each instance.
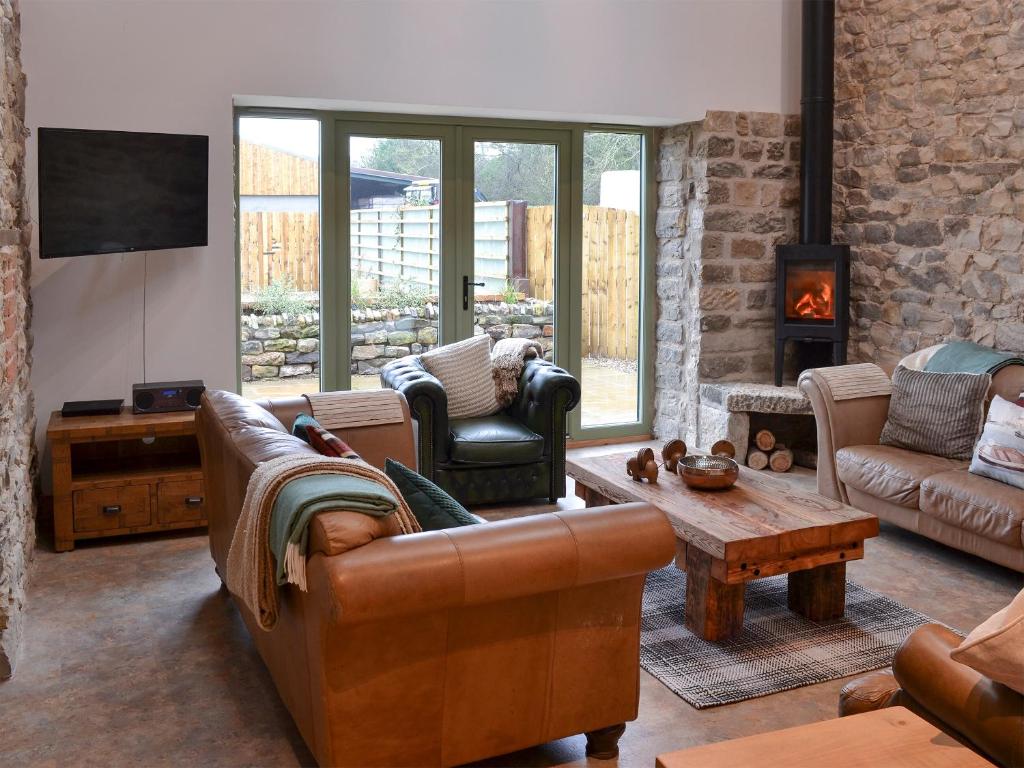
(817, 106)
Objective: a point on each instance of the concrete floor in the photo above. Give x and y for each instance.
(134, 656)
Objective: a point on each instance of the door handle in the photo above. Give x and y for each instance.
(193, 501)
(465, 290)
(113, 509)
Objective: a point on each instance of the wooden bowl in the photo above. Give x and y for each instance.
(708, 472)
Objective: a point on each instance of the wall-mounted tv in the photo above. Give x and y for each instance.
(115, 191)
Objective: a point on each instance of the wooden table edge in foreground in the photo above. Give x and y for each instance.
(890, 737)
(715, 583)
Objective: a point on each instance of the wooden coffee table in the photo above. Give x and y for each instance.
(886, 737)
(760, 527)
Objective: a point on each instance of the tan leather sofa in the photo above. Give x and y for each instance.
(444, 647)
(967, 705)
(932, 495)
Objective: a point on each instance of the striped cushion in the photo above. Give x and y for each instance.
(936, 413)
(325, 442)
(464, 370)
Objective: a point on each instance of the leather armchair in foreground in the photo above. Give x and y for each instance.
(514, 455)
(967, 705)
(444, 647)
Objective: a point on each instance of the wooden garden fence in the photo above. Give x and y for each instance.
(611, 275)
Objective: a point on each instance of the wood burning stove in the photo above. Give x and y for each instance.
(812, 277)
(812, 298)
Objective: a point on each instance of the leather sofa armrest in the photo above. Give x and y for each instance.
(543, 389)
(428, 404)
(989, 715)
(479, 564)
(875, 690)
(857, 421)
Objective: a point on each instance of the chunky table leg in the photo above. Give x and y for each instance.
(714, 609)
(819, 593)
(603, 744)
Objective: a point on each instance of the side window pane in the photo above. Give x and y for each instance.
(279, 231)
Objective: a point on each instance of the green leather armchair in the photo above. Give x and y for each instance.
(514, 455)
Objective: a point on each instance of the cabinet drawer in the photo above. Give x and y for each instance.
(107, 509)
(180, 501)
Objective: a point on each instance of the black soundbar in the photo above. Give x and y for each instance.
(92, 407)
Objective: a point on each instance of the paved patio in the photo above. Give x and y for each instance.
(609, 390)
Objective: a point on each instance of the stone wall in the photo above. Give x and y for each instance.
(17, 421)
(929, 183)
(727, 194)
(281, 346)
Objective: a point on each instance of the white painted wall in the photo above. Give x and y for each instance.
(176, 66)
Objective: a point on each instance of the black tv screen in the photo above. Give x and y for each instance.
(114, 191)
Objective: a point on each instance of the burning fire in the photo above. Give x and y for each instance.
(815, 305)
(811, 295)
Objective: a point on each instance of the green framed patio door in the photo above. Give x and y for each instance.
(392, 259)
(515, 235)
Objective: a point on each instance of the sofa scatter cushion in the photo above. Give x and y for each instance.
(996, 647)
(434, 509)
(999, 453)
(936, 413)
(324, 441)
(464, 370)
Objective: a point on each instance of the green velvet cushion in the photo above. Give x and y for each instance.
(497, 439)
(433, 508)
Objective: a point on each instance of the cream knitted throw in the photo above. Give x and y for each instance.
(250, 572)
(507, 360)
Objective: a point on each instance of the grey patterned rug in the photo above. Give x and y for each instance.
(777, 650)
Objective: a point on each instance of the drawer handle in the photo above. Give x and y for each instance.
(193, 501)
(113, 509)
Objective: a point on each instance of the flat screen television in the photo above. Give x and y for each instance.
(115, 191)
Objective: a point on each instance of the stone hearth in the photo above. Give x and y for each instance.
(733, 412)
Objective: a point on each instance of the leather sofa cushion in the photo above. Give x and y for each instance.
(890, 473)
(986, 507)
(332, 533)
(235, 412)
(259, 444)
(496, 439)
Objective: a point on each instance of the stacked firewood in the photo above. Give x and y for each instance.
(766, 453)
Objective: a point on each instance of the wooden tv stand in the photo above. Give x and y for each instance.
(122, 474)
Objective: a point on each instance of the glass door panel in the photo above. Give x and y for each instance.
(515, 240)
(611, 318)
(279, 250)
(395, 204)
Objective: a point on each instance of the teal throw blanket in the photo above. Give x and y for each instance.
(967, 357)
(301, 498)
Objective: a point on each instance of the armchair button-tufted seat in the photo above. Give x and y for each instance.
(497, 439)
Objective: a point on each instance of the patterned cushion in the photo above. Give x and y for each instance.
(434, 509)
(325, 442)
(936, 413)
(1000, 452)
(464, 370)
